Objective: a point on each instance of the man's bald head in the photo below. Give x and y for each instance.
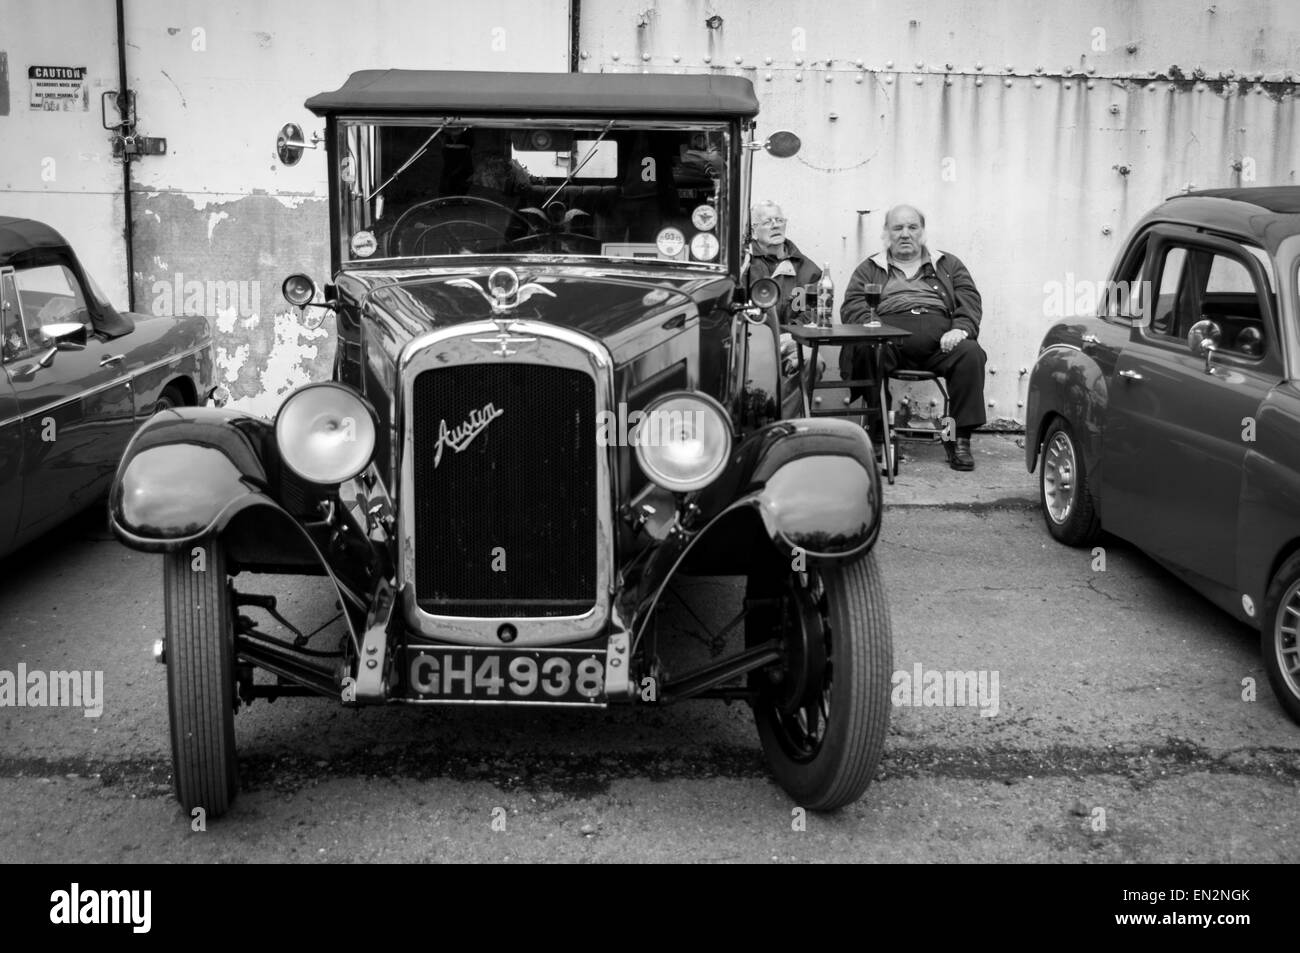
(904, 232)
(889, 216)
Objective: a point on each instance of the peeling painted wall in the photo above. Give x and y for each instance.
(1033, 135)
(219, 220)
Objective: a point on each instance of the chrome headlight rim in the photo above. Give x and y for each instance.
(718, 463)
(365, 419)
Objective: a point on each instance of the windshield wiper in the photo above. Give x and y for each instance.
(585, 159)
(407, 164)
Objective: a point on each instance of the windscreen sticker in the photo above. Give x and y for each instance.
(670, 242)
(704, 246)
(705, 217)
(364, 244)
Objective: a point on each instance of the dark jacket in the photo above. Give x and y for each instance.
(956, 287)
(806, 272)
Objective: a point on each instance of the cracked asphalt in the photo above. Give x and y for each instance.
(1124, 730)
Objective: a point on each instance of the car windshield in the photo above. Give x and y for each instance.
(450, 186)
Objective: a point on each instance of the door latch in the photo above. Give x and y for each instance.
(125, 141)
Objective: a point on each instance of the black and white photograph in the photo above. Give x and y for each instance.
(651, 431)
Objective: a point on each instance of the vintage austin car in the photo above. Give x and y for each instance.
(78, 378)
(551, 398)
(1172, 418)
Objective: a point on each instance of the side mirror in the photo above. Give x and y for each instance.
(782, 144)
(298, 290)
(763, 294)
(1203, 339)
(65, 336)
(289, 144)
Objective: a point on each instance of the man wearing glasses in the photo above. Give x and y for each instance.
(772, 255)
(933, 296)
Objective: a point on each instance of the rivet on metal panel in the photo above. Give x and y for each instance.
(1122, 169)
(798, 77)
(584, 55)
(858, 63)
(920, 64)
(948, 67)
(1038, 83)
(767, 77)
(1010, 68)
(714, 22)
(1200, 87)
(707, 58)
(833, 116)
(920, 80)
(1007, 82)
(1024, 371)
(1114, 109)
(614, 57)
(992, 402)
(1090, 84)
(1038, 68)
(889, 64)
(645, 57)
(798, 61)
(889, 80)
(979, 80)
(1069, 86)
(767, 61)
(1131, 48)
(829, 77)
(1105, 229)
(993, 370)
(739, 59)
(858, 78)
(979, 67)
(1069, 70)
(947, 81)
(1151, 72)
(1020, 403)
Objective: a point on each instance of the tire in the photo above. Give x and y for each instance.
(1279, 642)
(169, 398)
(823, 770)
(200, 680)
(1064, 489)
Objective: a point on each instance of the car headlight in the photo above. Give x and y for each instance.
(325, 432)
(683, 441)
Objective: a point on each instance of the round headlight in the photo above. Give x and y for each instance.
(325, 432)
(764, 292)
(683, 441)
(298, 289)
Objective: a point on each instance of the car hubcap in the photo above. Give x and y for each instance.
(802, 725)
(1058, 477)
(1285, 642)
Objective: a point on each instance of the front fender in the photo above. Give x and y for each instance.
(811, 485)
(186, 474)
(1067, 383)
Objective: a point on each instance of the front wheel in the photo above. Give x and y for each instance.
(1064, 488)
(201, 678)
(1279, 644)
(822, 717)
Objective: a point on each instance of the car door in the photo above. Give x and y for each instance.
(11, 424)
(76, 414)
(1176, 433)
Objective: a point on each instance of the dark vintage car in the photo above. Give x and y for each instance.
(551, 399)
(1172, 418)
(79, 377)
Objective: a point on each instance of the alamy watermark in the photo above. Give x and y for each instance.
(208, 298)
(1076, 298)
(35, 689)
(930, 688)
(658, 428)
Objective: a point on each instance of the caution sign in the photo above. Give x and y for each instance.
(59, 88)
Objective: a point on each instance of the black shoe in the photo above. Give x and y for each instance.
(959, 456)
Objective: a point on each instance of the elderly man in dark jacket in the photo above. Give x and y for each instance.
(773, 256)
(933, 296)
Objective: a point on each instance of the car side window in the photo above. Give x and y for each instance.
(13, 336)
(50, 294)
(1196, 284)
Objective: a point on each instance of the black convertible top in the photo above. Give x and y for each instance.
(21, 235)
(539, 94)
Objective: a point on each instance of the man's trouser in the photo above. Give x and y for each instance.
(962, 367)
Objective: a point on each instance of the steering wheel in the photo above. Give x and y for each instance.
(458, 237)
(414, 225)
(558, 243)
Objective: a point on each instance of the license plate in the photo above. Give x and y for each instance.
(532, 676)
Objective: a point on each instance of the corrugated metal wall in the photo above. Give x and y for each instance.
(1032, 135)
